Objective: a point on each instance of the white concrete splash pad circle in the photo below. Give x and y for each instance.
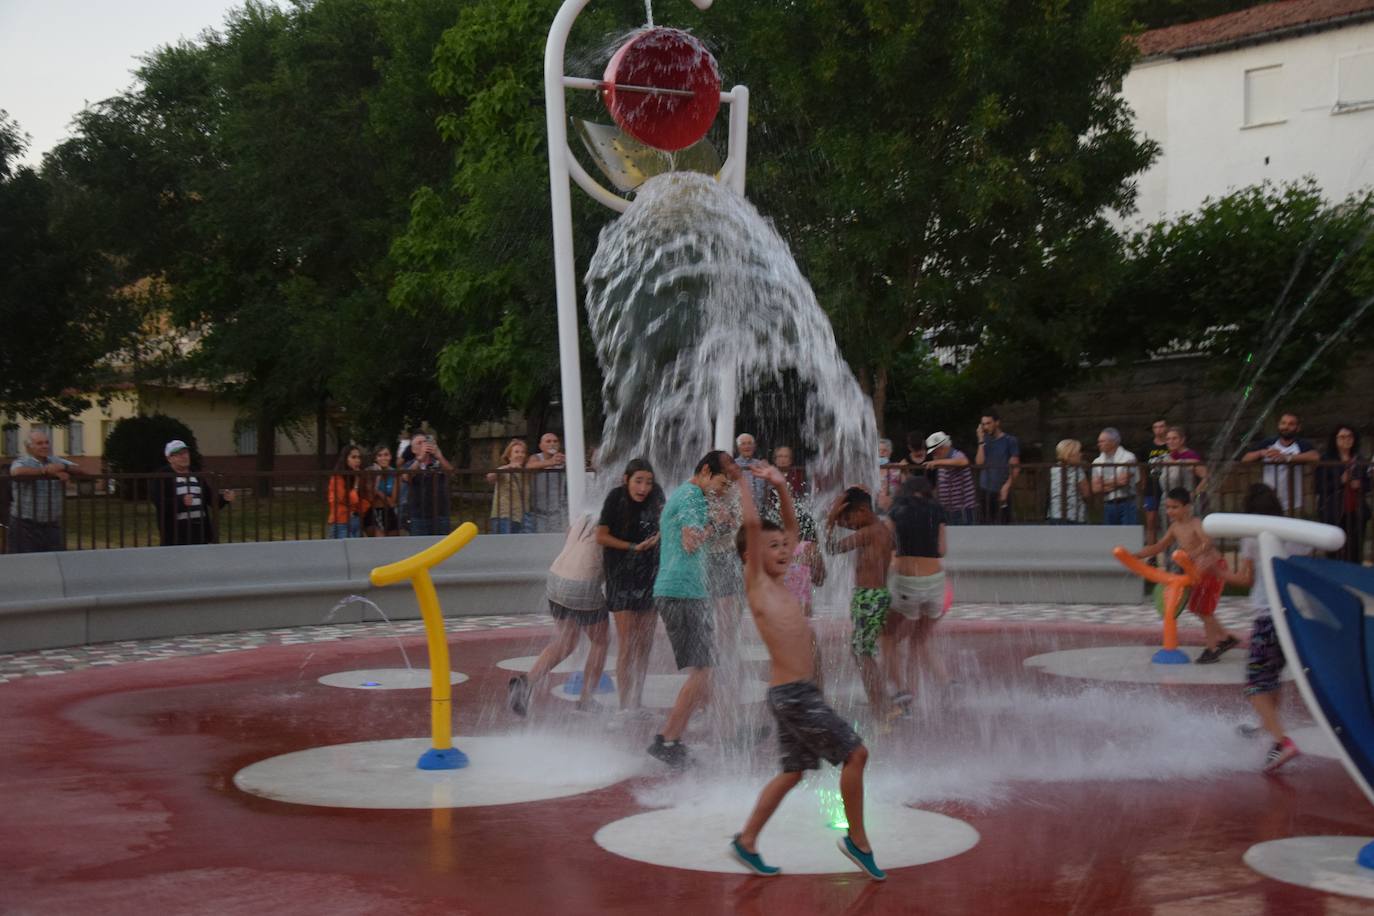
(385, 679)
(1133, 665)
(1323, 863)
(661, 690)
(796, 839)
(575, 662)
(502, 770)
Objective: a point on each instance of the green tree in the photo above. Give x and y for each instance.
(478, 246)
(934, 163)
(1263, 265)
(57, 325)
(922, 159)
(257, 175)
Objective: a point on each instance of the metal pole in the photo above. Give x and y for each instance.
(733, 175)
(560, 200)
(565, 278)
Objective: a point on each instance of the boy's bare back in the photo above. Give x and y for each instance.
(871, 542)
(873, 555)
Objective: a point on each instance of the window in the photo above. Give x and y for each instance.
(106, 427)
(9, 440)
(1355, 81)
(76, 438)
(246, 437)
(1264, 96)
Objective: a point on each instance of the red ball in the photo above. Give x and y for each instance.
(663, 59)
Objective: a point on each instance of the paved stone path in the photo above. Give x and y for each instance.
(1233, 612)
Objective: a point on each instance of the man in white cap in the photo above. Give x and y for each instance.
(183, 500)
(954, 481)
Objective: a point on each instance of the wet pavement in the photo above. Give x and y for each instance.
(118, 796)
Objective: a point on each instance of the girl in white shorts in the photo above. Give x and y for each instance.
(917, 583)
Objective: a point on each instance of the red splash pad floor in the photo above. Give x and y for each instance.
(117, 793)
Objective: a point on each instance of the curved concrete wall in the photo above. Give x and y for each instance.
(90, 596)
(65, 599)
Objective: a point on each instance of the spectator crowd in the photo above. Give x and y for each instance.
(386, 492)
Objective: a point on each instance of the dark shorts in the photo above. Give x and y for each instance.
(724, 575)
(429, 527)
(1266, 658)
(691, 627)
(1151, 503)
(808, 729)
(384, 519)
(630, 585)
(28, 536)
(581, 618)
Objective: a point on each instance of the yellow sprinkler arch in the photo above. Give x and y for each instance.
(443, 755)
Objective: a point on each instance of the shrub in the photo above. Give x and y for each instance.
(135, 446)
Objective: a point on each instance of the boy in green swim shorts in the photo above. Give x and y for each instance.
(871, 542)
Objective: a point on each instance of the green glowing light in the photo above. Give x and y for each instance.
(832, 808)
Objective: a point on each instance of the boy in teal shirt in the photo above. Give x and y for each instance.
(681, 599)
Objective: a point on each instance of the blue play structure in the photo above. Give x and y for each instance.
(1326, 629)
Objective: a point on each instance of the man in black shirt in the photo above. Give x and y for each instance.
(427, 497)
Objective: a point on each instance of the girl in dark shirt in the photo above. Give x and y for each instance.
(917, 583)
(628, 532)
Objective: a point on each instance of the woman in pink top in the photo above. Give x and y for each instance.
(1183, 468)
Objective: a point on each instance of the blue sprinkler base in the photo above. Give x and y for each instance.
(1171, 657)
(573, 687)
(447, 759)
(1366, 856)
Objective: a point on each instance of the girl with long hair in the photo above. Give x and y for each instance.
(347, 494)
(382, 519)
(510, 496)
(917, 583)
(628, 534)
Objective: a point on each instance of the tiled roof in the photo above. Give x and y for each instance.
(1257, 23)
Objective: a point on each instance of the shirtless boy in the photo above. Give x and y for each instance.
(872, 542)
(808, 729)
(1186, 531)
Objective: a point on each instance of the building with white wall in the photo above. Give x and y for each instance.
(1275, 92)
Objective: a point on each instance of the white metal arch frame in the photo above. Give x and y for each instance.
(563, 166)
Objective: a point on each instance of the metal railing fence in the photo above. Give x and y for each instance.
(117, 510)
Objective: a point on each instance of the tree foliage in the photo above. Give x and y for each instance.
(1230, 277)
(926, 166)
(342, 205)
(57, 326)
(135, 446)
(935, 171)
(257, 175)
